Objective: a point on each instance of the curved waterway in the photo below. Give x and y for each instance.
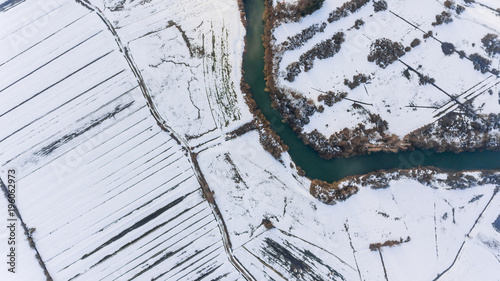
(336, 169)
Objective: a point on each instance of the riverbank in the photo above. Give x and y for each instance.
(452, 132)
(308, 161)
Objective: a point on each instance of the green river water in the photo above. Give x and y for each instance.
(336, 169)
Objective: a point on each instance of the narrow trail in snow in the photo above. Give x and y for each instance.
(163, 125)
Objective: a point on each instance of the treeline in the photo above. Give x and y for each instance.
(350, 142)
(307, 7)
(301, 38)
(270, 141)
(331, 193)
(323, 50)
(458, 133)
(346, 8)
(294, 108)
(293, 13)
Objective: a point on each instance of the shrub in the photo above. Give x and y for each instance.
(428, 34)
(444, 17)
(480, 63)
(447, 48)
(292, 71)
(268, 224)
(299, 39)
(448, 4)
(384, 52)
(425, 79)
(379, 6)
(459, 9)
(330, 98)
(415, 43)
(358, 23)
(307, 7)
(388, 243)
(356, 80)
(343, 11)
(406, 73)
(301, 172)
(322, 50)
(331, 193)
(491, 44)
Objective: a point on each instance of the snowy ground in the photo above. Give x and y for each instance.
(313, 241)
(113, 196)
(110, 194)
(189, 54)
(390, 94)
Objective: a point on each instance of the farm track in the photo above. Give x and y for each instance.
(164, 126)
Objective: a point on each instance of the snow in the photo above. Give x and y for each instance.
(249, 186)
(391, 94)
(189, 53)
(112, 196)
(109, 193)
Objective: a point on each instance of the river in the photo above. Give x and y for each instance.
(336, 169)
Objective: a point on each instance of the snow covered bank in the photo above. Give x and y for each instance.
(418, 87)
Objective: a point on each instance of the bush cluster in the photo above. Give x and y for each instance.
(292, 71)
(480, 63)
(425, 79)
(331, 193)
(459, 9)
(356, 80)
(379, 6)
(358, 23)
(331, 98)
(322, 50)
(428, 34)
(491, 44)
(388, 243)
(349, 142)
(307, 7)
(384, 52)
(299, 39)
(346, 8)
(415, 43)
(444, 17)
(447, 48)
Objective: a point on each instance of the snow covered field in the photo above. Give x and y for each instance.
(110, 194)
(113, 196)
(401, 101)
(189, 54)
(314, 241)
